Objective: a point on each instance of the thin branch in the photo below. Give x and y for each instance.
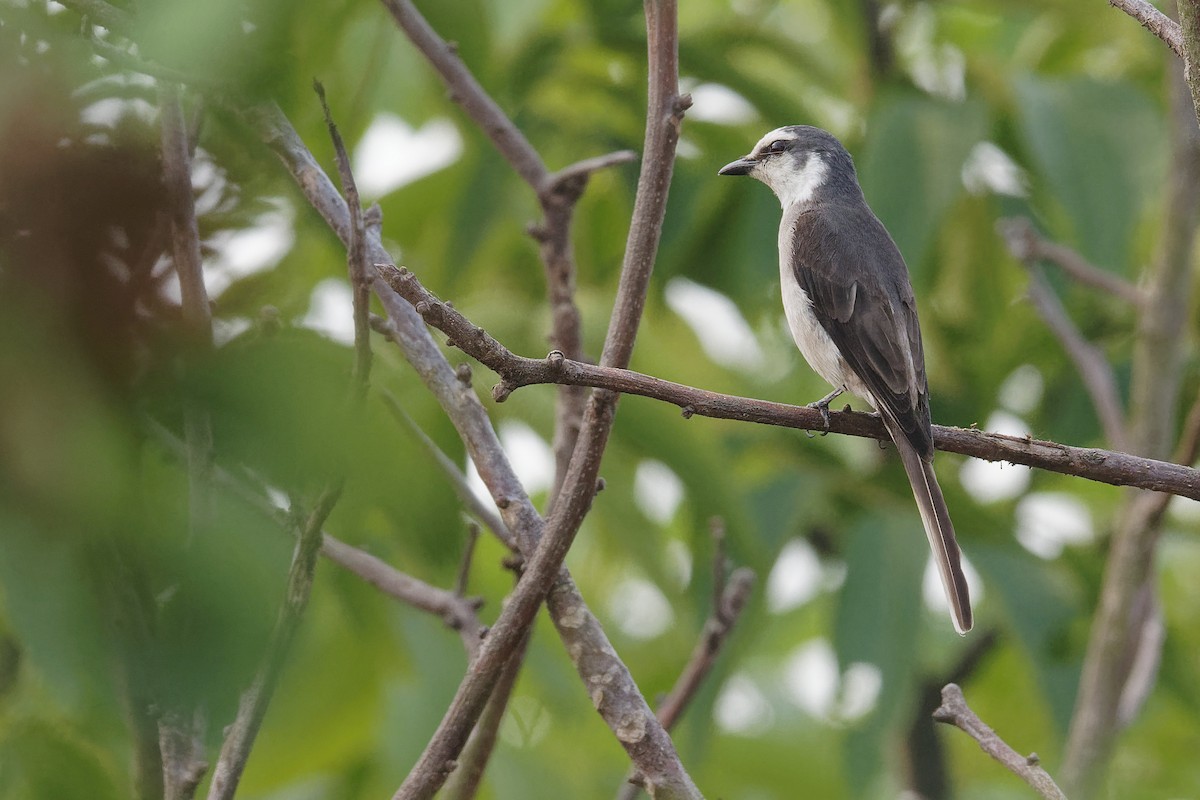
(1154, 21)
(1027, 245)
(1158, 358)
(356, 258)
(955, 711)
(464, 781)
(464, 566)
(1105, 466)
(729, 599)
(1189, 15)
(181, 730)
(648, 745)
(467, 92)
(1093, 367)
(457, 612)
(581, 633)
(458, 481)
(252, 707)
(181, 742)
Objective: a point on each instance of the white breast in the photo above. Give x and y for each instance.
(815, 345)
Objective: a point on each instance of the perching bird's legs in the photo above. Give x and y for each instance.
(822, 405)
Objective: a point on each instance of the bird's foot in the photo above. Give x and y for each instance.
(822, 405)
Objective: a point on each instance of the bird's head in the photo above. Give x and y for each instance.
(796, 161)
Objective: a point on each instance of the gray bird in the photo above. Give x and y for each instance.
(849, 304)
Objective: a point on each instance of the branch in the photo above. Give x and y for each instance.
(648, 745)
(252, 707)
(356, 256)
(181, 730)
(581, 633)
(458, 481)
(1154, 21)
(1104, 466)
(1027, 245)
(1158, 359)
(955, 711)
(729, 599)
(467, 92)
(458, 613)
(1090, 362)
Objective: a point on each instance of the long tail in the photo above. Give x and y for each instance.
(938, 527)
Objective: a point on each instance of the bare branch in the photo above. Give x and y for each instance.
(181, 742)
(457, 612)
(252, 707)
(464, 566)
(467, 92)
(648, 745)
(181, 730)
(464, 781)
(1027, 245)
(1091, 363)
(458, 481)
(356, 257)
(955, 711)
(1158, 358)
(1105, 466)
(1154, 21)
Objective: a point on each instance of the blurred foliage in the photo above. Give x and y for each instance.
(104, 601)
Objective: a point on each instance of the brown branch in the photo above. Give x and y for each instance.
(1158, 358)
(464, 781)
(648, 745)
(252, 707)
(1104, 466)
(1027, 245)
(467, 92)
(181, 742)
(955, 711)
(1154, 21)
(1189, 15)
(457, 612)
(181, 730)
(1090, 362)
(356, 258)
(581, 633)
(458, 481)
(729, 599)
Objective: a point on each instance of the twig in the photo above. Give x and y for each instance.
(467, 92)
(465, 780)
(1105, 466)
(181, 742)
(729, 599)
(1093, 367)
(1154, 21)
(458, 613)
(458, 481)
(464, 566)
(252, 707)
(1027, 245)
(181, 730)
(955, 711)
(356, 257)
(648, 745)
(1158, 357)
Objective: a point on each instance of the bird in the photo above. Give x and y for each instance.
(850, 307)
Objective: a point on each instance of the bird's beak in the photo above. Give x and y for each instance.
(740, 167)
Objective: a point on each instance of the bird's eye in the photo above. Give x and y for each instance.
(777, 146)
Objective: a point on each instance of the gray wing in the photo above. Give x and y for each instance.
(847, 263)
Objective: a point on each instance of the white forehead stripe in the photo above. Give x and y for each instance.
(797, 186)
(773, 136)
